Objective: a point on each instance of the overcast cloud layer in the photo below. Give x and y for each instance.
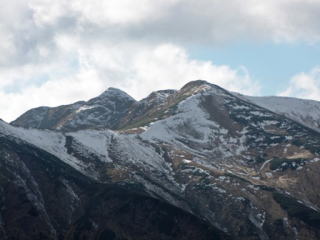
(57, 52)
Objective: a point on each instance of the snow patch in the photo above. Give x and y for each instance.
(84, 108)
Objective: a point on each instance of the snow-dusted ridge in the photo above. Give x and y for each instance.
(97, 142)
(191, 123)
(304, 111)
(50, 141)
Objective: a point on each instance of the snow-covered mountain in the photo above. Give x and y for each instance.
(113, 109)
(196, 163)
(303, 111)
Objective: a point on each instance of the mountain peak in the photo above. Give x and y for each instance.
(115, 92)
(196, 83)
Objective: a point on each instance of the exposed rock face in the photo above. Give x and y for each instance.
(198, 163)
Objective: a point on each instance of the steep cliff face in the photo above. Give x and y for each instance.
(198, 163)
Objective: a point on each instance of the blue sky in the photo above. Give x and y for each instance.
(62, 51)
(272, 64)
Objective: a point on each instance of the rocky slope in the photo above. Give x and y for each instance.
(198, 163)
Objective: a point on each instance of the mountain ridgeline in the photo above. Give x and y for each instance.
(196, 163)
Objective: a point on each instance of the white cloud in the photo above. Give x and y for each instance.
(28, 29)
(100, 12)
(81, 85)
(60, 51)
(169, 66)
(304, 85)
